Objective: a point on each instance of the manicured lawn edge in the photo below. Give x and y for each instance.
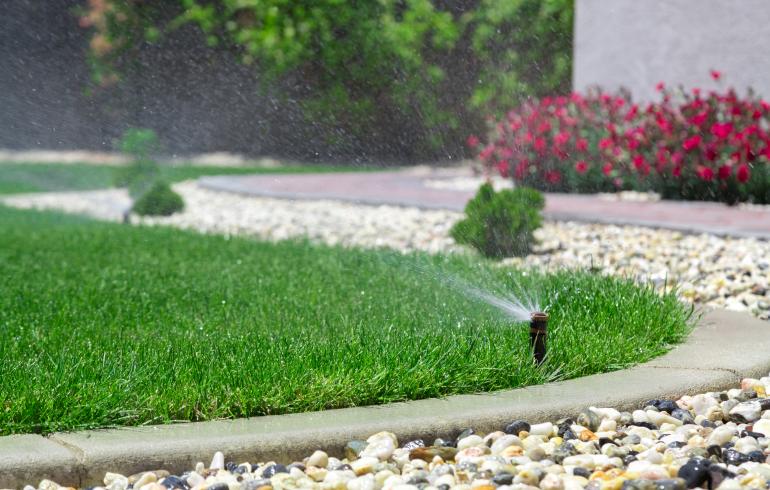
(723, 348)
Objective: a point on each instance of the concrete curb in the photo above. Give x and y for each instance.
(723, 348)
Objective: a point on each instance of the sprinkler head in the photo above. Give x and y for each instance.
(538, 333)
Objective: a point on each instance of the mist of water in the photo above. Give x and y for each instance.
(517, 305)
(518, 308)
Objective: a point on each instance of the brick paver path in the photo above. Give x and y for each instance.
(409, 189)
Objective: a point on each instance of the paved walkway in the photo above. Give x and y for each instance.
(408, 188)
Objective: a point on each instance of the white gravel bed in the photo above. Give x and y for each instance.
(330, 222)
(726, 272)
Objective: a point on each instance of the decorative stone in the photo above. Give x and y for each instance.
(428, 453)
(544, 429)
(516, 427)
(414, 444)
(470, 441)
(318, 459)
(274, 469)
(380, 445)
(364, 465)
(721, 435)
(588, 419)
(218, 461)
(746, 412)
(551, 482)
(694, 472)
(354, 448)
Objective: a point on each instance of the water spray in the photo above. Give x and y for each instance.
(538, 333)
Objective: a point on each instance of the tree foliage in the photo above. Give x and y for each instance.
(428, 70)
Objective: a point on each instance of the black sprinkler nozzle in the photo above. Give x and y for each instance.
(538, 333)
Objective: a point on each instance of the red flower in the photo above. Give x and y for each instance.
(660, 87)
(711, 152)
(641, 165)
(506, 152)
(742, 174)
(504, 168)
(607, 169)
(722, 130)
(766, 151)
(705, 173)
(716, 75)
(631, 113)
(677, 157)
(581, 167)
(553, 176)
(528, 138)
(521, 169)
(472, 142)
(559, 151)
(540, 144)
(676, 171)
(486, 152)
(663, 124)
(581, 144)
(691, 143)
(561, 138)
(724, 172)
(699, 118)
(605, 143)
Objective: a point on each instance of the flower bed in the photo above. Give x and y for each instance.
(688, 145)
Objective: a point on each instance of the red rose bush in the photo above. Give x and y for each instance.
(688, 145)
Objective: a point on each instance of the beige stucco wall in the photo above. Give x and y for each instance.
(637, 43)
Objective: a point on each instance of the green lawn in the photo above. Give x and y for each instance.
(19, 177)
(106, 324)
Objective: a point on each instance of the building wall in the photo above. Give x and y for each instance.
(637, 43)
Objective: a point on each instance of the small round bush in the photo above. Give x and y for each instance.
(500, 224)
(159, 200)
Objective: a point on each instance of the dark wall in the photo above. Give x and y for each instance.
(198, 100)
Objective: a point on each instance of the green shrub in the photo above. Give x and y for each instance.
(159, 200)
(500, 224)
(143, 171)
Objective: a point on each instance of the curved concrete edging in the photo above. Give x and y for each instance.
(723, 348)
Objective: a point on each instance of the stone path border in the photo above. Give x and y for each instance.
(407, 188)
(713, 358)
